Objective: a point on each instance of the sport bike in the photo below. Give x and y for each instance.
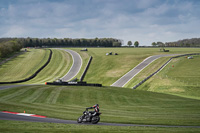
(88, 117)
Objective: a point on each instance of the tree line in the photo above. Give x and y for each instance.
(11, 45)
(8, 47)
(69, 42)
(193, 42)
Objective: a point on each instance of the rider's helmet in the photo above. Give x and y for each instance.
(96, 105)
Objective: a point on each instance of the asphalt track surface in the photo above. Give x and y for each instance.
(6, 116)
(76, 66)
(132, 73)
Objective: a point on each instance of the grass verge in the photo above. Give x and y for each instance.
(24, 127)
(180, 77)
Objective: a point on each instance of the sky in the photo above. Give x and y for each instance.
(145, 21)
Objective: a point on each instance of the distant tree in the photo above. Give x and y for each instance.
(129, 43)
(154, 44)
(116, 44)
(136, 44)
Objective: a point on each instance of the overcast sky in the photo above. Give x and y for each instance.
(145, 21)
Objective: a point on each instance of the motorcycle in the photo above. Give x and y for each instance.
(88, 117)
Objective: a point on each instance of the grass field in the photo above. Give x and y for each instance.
(30, 127)
(148, 104)
(26, 64)
(117, 105)
(59, 65)
(23, 65)
(107, 69)
(183, 79)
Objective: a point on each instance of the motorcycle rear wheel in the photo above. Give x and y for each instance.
(95, 119)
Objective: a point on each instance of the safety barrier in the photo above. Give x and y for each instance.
(73, 84)
(162, 68)
(32, 76)
(86, 68)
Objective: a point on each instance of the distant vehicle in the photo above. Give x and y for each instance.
(85, 49)
(190, 57)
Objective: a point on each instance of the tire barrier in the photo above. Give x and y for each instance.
(34, 75)
(73, 84)
(162, 68)
(85, 71)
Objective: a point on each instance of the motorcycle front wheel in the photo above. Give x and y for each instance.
(79, 120)
(95, 119)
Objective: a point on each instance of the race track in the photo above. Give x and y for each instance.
(76, 66)
(128, 76)
(6, 116)
(77, 63)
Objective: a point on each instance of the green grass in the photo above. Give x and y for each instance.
(24, 65)
(183, 79)
(117, 105)
(154, 66)
(59, 65)
(108, 69)
(145, 105)
(30, 127)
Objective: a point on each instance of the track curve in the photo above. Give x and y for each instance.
(76, 66)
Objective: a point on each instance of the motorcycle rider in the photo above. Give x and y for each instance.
(96, 109)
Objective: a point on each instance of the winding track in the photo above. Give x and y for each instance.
(132, 73)
(76, 66)
(77, 63)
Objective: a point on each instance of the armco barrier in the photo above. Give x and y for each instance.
(32, 76)
(73, 84)
(87, 67)
(161, 68)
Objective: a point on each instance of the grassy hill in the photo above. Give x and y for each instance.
(117, 105)
(145, 105)
(29, 62)
(183, 79)
(108, 69)
(23, 65)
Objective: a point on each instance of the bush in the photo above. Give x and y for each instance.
(9, 47)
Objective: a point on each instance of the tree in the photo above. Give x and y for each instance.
(129, 43)
(136, 44)
(154, 44)
(116, 44)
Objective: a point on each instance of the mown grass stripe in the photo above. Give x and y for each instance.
(16, 93)
(52, 98)
(34, 95)
(59, 68)
(43, 96)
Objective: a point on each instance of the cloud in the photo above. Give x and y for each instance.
(144, 20)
